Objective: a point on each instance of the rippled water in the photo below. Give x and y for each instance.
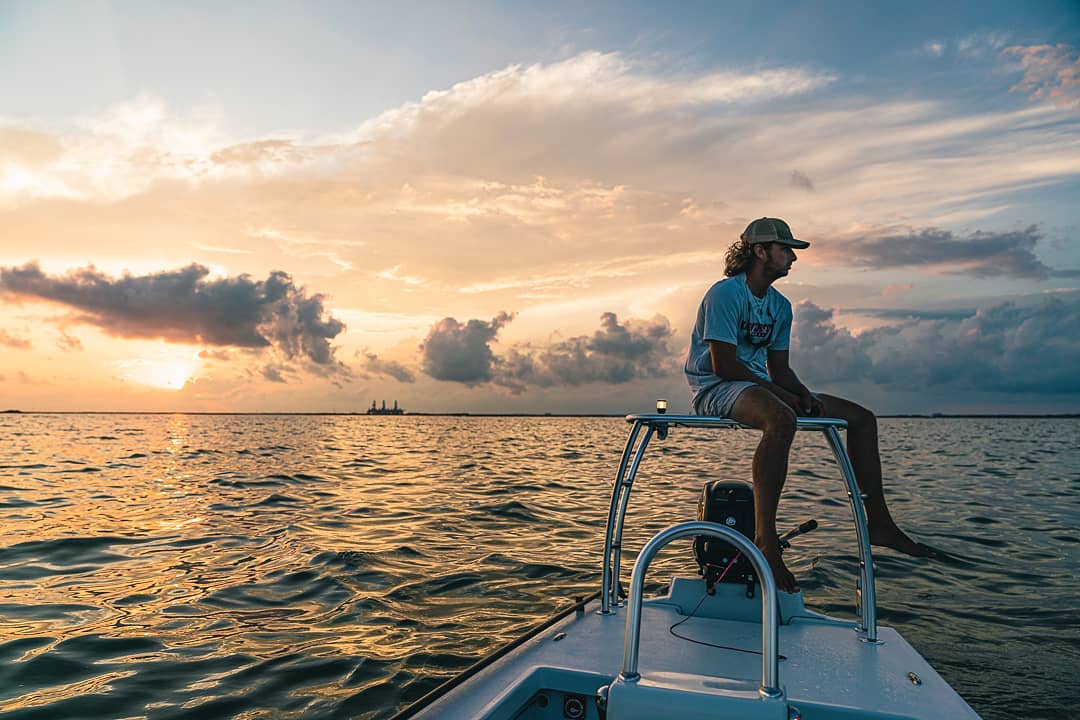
(174, 566)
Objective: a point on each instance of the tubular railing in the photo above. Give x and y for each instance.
(658, 425)
(770, 643)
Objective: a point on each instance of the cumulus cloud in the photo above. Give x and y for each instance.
(981, 253)
(823, 352)
(616, 353)
(461, 352)
(185, 306)
(1051, 72)
(1010, 348)
(13, 341)
(377, 366)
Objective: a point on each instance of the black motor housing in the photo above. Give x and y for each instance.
(730, 504)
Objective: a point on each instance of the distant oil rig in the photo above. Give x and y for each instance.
(373, 410)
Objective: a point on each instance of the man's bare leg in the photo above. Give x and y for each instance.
(759, 408)
(862, 446)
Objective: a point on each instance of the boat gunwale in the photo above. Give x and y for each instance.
(446, 686)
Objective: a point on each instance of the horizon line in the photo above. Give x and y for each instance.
(929, 416)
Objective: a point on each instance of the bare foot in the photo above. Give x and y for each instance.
(895, 539)
(785, 581)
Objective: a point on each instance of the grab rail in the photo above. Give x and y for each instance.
(770, 643)
(659, 424)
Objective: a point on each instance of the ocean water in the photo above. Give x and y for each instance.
(200, 566)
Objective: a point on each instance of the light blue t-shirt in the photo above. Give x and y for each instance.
(731, 313)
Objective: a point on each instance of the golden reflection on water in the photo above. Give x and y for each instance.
(304, 564)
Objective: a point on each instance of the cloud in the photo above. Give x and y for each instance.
(222, 355)
(822, 352)
(801, 181)
(184, 306)
(68, 343)
(594, 157)
(896, 289)
(982, 253)
(461, 352)
(1051, 72)
(274, 373)
(394, 369)
(980, 43)
(1007, 348)
(615, 354)
(934, 48)
(958, 313)
(13, 341)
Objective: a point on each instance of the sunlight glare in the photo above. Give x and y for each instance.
(169, 368)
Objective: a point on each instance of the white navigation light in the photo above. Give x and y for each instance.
(661, 406)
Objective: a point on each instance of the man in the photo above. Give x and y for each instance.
(738, 368)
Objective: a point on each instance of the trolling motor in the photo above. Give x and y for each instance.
(731, 504)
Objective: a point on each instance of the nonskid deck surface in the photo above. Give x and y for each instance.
(826, 669)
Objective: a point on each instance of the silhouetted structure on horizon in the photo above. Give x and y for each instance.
(385, 410)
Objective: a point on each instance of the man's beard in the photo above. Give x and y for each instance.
(775, 270)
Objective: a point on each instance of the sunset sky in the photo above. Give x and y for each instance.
(516, 207)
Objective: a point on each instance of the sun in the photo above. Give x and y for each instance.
(169, 368)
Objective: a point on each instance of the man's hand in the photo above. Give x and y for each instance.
(809, 405)
(790, 399)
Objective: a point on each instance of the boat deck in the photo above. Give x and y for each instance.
(826, 671)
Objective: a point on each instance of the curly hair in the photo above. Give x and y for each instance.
(739, 258)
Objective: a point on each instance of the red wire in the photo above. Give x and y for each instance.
(733, 560)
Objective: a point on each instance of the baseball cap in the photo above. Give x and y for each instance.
(767, 230)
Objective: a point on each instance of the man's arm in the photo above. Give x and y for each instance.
(781, 373)
(726, 365)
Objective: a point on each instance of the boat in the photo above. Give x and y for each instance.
(737, 653)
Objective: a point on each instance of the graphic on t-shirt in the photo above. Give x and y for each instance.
(757, 332)
(759, 324)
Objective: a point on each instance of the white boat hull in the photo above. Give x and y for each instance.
(826, 672)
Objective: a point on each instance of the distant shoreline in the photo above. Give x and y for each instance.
(929, 416)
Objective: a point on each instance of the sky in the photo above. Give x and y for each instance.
(516, 207)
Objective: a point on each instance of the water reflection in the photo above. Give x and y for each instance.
(324, 565)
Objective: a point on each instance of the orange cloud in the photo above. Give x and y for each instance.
(1051, 72)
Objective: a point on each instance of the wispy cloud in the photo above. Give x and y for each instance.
(934, 48)
(801, 180)
(583, 161)
(275, 373)
(980, 254)
(896, 289)
(378, 366)
(68, 343)
(13, 341)
(972, 46)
